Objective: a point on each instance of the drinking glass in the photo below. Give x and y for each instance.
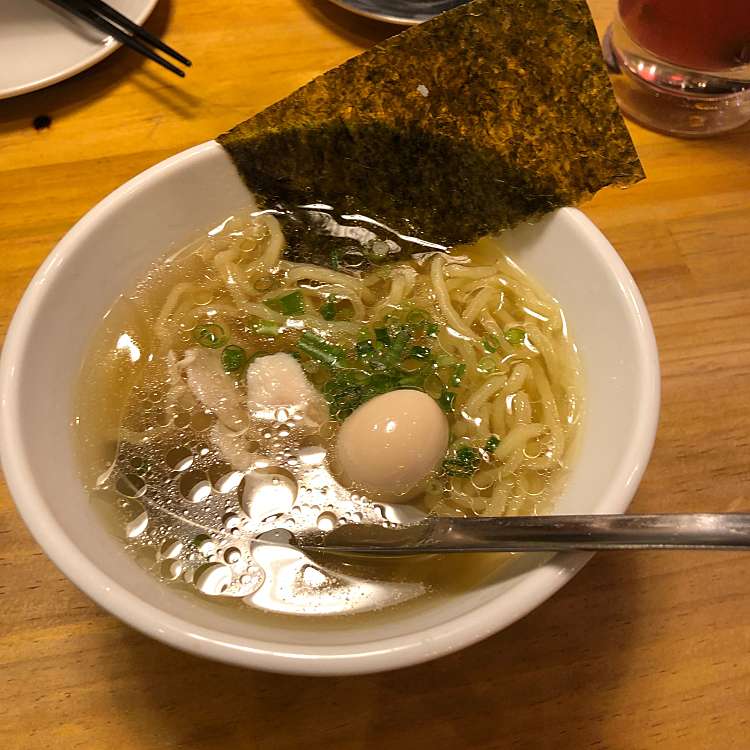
(682, 66)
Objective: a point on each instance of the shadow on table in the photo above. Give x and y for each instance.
(359, 30)
(546, 681)
(38, 108)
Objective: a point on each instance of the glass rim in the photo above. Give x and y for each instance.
(738, 75)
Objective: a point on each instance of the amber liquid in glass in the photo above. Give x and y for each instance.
(705, 35)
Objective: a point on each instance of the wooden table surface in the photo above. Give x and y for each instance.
(639, 651)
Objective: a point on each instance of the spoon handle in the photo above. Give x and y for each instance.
(708, 531)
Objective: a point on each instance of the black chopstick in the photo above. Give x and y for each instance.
(93, 12)
(114, 15)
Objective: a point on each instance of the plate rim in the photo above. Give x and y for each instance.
(107, 48)
(352, 7)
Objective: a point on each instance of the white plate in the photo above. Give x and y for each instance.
(41, 44)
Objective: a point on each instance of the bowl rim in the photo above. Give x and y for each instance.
(359, 658)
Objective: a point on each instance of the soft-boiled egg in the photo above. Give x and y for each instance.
(390, 445)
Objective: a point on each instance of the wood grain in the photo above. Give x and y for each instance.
(639, 651)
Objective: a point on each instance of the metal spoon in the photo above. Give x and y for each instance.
(714, 531)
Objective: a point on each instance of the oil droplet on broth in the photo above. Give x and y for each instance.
(131, 485)
(206, 546)
(171, 548)
(213, 579)
(171, 569)
(312, 455)
(228, 482)
(137, 525)
(180, 459)
(194, 487)
(281, 415)
(268, 492)
(231, 521)
(327, 521)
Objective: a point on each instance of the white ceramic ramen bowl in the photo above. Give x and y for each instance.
(173, 202)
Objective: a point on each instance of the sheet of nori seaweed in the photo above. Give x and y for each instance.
(490, 114)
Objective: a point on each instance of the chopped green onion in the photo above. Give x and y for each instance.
(418, 320)
(458, 373)
(445, 402)
(419, 352)
(288, 304)
(364, 347)
(432, 329)
(233, 358)
(328, 308)
(378, 360)
(397, 346)
(466, 453)
(445, 360)
(381, 335)
(381, 382)
(319, 349)
(515, 336)
(491, 343)
(462, 461)
(492, 442)
(266, 327)
(417, 316)
(488, 364)
(433, 386)
(310, 366)
(210, 335)
(361, 378)
(410, 365)
(345, 311)
(384, 359)
(335, 259)
(410, 381)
